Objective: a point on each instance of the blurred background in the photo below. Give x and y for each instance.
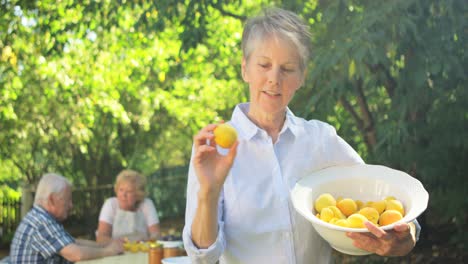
(90, 87)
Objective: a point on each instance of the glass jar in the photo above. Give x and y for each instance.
(171, 252)
(155, 254)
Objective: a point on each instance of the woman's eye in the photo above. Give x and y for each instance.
(263, 65)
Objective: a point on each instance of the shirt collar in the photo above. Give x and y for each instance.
(293, 123)
(40, 210)
(248, 129)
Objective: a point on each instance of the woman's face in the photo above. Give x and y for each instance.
(126, 195)
(273, 73)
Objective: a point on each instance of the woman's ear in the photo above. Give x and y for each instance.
(243, 69)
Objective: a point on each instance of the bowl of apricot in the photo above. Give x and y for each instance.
(340, 199)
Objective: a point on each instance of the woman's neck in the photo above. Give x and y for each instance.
(272, 123)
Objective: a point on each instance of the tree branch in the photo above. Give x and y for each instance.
(369, 129)
(348, 107)
(389, 83)
(218, 7)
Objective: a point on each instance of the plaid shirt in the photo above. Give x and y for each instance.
(39, 238)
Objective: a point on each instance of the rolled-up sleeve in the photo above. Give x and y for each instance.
(208, 255)
(213, 252)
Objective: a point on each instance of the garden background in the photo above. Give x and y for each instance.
(90, 87)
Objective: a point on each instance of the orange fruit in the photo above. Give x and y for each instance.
(347, 206)
(225, 135)
(389, 217)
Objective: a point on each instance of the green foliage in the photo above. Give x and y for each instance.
(90, 88)
(391, 77)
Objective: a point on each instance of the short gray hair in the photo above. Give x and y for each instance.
(50, 183)
(280, 23)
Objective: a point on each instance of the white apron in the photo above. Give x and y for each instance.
(130, 224)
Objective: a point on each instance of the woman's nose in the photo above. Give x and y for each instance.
(274, 76)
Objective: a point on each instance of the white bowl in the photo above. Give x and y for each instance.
(359, 182)
(171, 244)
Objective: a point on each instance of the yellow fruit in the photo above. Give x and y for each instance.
(333, 220)
(323, 201)
(342, 222)
(144, 247)
(134, 247)
(356, 220)
(388, 198)
(379, 205)
(389, 217)
(326, 214)
(225, 135)
(370, 213)
(395, 205)
(347, 206)
(126, 246)
(338, 214)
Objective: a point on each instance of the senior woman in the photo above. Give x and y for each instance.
(238, 205)
(128, 215)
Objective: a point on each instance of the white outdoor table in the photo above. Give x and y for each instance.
(126, 258)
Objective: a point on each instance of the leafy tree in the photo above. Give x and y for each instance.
(92, 87)
(390, 76)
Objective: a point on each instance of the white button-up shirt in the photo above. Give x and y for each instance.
(257, 221)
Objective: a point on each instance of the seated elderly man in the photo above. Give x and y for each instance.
(41, 238)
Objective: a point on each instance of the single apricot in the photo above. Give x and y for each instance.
(326, 214)
(379, 205)
(225, 135)
(342, 222)
(389, 217)
(356, 220)
(370, 213)
(323, 201)
(347, 206)
(338, 214)
(395, 205)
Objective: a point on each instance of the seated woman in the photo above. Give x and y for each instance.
(129, 215)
